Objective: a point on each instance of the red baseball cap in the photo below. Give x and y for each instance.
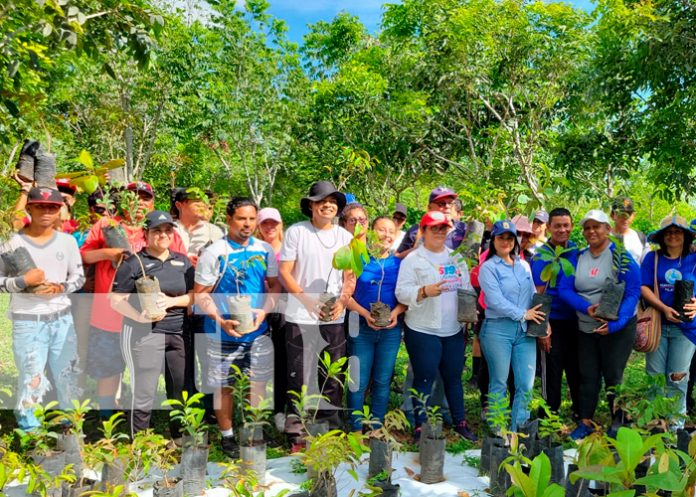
(140, 186)
(64, 186)
(434, 218)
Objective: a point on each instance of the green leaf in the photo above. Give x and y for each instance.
(342, 259)
(540, 473)
(663, 481)
(547, 273)
(623, 493)
(567, 267)
(628, 445)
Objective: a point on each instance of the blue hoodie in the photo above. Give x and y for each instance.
(627, 310)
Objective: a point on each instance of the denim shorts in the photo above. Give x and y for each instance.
(104, 358)
(254, 359)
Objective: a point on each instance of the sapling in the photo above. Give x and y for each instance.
(555, 265)
(352, 257)
(240, 305)
(190, 416)
(613, 289)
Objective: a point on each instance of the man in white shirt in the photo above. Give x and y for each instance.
(306, 272)
(623, 213)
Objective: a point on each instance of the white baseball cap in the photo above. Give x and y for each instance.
(595, 215)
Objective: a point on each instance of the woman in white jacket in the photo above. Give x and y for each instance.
(427, 284)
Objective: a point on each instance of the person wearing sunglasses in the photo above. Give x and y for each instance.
(441, 199)
(427, 284)
(354, 214)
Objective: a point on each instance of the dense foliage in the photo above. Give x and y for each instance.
(514, 103)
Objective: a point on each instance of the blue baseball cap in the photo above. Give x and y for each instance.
(504, 226)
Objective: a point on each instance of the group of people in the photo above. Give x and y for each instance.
(267, 302)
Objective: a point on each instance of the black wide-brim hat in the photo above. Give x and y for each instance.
(319, 191)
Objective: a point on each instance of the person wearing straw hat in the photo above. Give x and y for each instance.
(674, 262)
(603, 346)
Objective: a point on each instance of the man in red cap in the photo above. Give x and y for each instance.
(104, 360)
(441, 199)
(42, 325)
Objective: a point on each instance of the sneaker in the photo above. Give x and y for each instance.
(230, 447)
(463, 430)
(581, 431)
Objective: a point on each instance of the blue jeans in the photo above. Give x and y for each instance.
(430, 354)
(35, 344)
(504, 342)
(375, 352)
(672, 357)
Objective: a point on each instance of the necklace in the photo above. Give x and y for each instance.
(335, 237)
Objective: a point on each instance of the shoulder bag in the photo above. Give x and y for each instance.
(649, 325)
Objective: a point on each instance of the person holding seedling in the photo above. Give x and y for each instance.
(104, 360)
(153, 336)
(507, 285)
(377, 340)
(236, 281)
(427, 283)
(673, 278)
(559, 351)
(40, 266)
(604, 292)
(317, 297)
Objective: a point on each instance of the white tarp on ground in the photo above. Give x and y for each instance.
(459, 478)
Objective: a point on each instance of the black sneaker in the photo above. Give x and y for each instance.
(230, 447)
(463, 430)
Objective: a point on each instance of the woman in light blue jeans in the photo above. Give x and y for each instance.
(508, 287)
(674, 262)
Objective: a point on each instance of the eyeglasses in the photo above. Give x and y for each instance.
(674, 233)
(168, 232)
(399, 219)
(355, 220)
(440, 228)
(445, 204)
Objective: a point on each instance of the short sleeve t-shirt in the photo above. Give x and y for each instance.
(451, 274)
(312, 250)
(367, 288)
(232, 267)
(175, 276)
(669, 271)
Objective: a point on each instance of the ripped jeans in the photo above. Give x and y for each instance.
(672, 359)
(35, 344)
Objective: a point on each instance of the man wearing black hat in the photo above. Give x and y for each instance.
(306, 272)
(42, 325)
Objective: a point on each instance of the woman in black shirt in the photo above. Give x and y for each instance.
(145, 339)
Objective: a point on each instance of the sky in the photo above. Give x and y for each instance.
(299, 13)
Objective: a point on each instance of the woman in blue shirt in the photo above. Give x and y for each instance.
(507, 284)
(674, 262)
(375, 347)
